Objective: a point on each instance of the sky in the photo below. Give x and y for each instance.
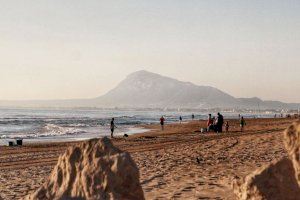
(54, 49)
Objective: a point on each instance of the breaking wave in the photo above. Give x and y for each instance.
(49, 130)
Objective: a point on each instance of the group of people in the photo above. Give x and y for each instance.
(213, 123)
(216, 124)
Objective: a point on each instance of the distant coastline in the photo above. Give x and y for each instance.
(143, 90)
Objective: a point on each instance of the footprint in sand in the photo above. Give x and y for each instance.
(188, 189)
(216, 184)
(177, 195)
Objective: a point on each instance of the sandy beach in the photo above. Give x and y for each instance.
(167, 160)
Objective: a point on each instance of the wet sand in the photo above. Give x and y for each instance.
(178, 163)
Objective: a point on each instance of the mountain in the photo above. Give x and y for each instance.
(144, 89)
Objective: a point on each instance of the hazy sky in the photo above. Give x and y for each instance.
(58, 49)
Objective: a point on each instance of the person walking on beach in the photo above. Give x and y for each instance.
(227, 126)
(242, 124)
(220, 122)
(180, 119)
(193, 116)
(112, 127)
(162, 122)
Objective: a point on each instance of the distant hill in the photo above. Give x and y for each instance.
(144, 89)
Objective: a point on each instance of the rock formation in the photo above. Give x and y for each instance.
(92, 170)
(279, 180)
(292, 145)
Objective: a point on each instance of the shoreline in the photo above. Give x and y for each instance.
(136, 131)
(56, 126)
(82, 137)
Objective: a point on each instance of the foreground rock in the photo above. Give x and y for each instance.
(92, 170)
(292, 144)
(279, 180)
(276, 181)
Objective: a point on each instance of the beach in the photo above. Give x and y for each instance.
(177, 163)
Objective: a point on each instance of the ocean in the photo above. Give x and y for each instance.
(45, 125)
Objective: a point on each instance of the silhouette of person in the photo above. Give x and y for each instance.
(162, 122)
(220, 122)
(227, 126)
(242, 124)
(112, 127)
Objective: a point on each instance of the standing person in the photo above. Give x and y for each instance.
(193, 116)
(162, 122)
(227, 126)
(220, 122)
(209, 122)
(242, 124)
(112, 127)
(180, 119)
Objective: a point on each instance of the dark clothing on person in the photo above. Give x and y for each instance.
(220, 122)
(112, 127)
(212, 127)
(242, 124)
(162, 122)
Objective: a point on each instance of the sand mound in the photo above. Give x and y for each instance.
(279, 180)
(92, 170)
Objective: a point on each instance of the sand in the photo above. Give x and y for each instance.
(179, 163)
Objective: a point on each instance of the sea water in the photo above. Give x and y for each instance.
(44, 125)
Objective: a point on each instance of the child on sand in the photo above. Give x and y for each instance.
(242, 124)
(227, 126)
(180, 119)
